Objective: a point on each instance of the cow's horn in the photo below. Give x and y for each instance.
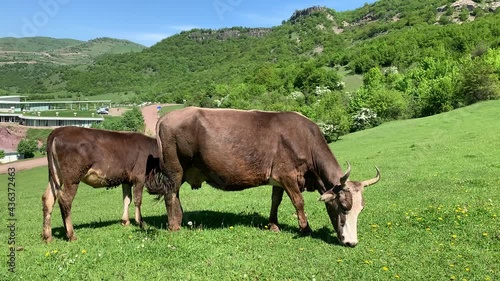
(344, 178)
(372, 181)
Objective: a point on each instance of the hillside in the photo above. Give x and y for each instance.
(35, 44)
(386, 33)
(33, 50)
(402, 59)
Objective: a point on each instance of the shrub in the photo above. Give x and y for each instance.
(479, 83)
(365, 118)
(43, 148)
(330, 131)
(27, 147)
(2, 154)
(437, 97)
(388, 104)
(132, 121)
(330, 111)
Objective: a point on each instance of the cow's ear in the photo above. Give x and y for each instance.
(328, 196)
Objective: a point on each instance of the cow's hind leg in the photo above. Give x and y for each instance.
(127, 193)
(173, 204)
(66, 196)
(174, 210)
(276, 198)
(292, 189)
(48, 201)
(138, 188)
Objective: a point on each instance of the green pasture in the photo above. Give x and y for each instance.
(433, 216)
(168, 108)
(352, 81)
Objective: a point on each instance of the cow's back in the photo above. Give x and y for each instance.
(240, 147)
(118, 157)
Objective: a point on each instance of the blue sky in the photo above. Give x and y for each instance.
(147, 21)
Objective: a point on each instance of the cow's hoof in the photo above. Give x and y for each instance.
(142, 224)
(47, 239)
(273, 227)
(306, 231)
(125, 222)
(174, 227)
(72, 238)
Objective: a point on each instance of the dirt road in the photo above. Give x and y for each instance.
(23, 165)
(150, 114)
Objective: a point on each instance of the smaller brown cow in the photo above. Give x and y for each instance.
(99, 158)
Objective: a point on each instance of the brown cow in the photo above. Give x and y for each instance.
(236, 149)
(98, 158)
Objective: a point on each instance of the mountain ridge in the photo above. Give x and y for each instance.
(62, 51)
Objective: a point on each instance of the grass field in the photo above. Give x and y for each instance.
(164, 110)
(352, 81)
(433, 216)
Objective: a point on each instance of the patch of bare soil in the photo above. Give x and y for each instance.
(10, 136)
(118, 111)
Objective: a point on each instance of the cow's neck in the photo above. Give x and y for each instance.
(327, 168)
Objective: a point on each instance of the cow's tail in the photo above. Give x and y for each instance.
(53, 164)
(157, 180)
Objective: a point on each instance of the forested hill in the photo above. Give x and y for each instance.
(417, 58)
(60, 51)
(386, 33)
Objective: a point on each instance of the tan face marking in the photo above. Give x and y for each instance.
(349, 229)
(346, 205)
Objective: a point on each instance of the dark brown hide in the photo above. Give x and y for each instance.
(98, 158)
(236, 149)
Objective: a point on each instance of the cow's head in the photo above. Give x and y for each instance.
(344, 203)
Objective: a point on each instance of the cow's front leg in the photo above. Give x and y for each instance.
(127, 193)
(276, 198)
(297, 199)
(138, 189)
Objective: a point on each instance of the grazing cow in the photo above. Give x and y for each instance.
(236, 149)
(98, 158)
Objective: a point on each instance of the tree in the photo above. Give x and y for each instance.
(132, 121)
(331, 115)
(2, 154)
(27, 147)
(480, 82)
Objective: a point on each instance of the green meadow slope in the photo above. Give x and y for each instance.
(433, 216)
